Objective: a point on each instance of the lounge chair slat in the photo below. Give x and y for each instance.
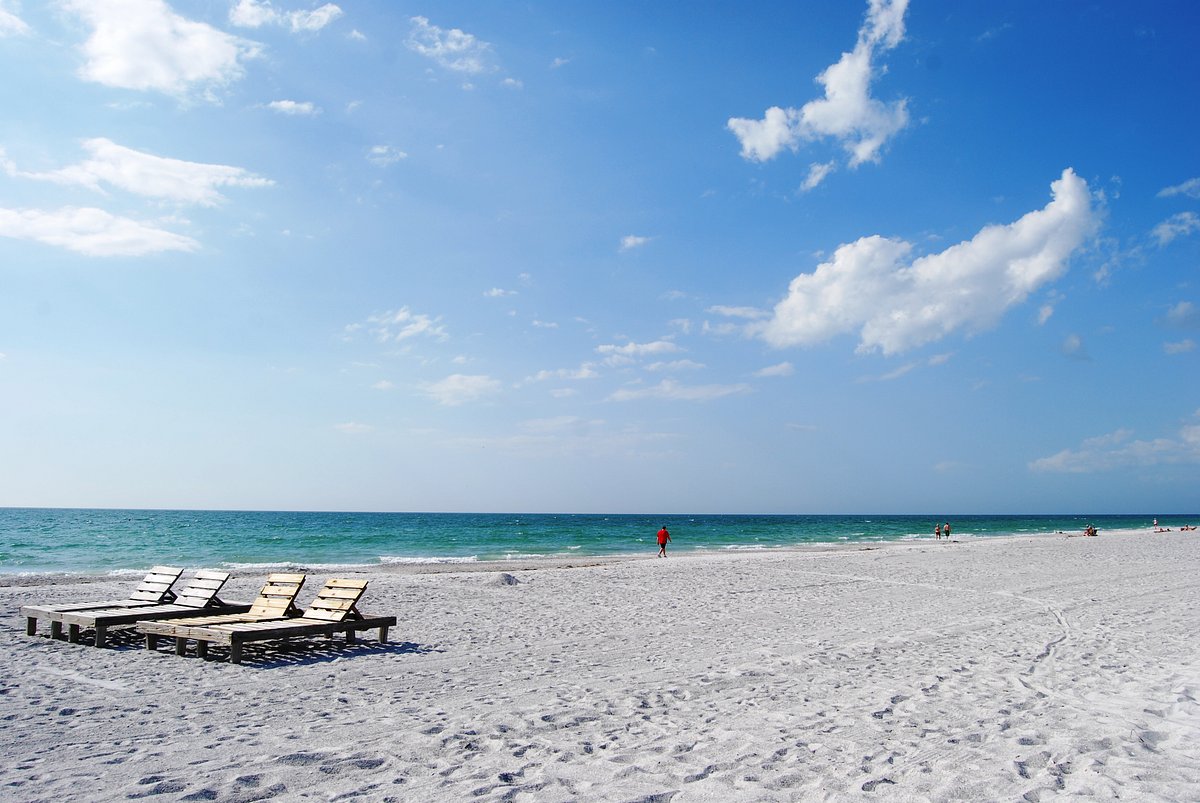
(338, 582)
(342, 593)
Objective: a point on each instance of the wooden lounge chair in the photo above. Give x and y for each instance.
(155, 589)
(334, 611)
(200, 594)
(276, 600)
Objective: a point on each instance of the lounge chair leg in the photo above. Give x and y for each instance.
(31, 625)
(56, 630)
(101, 632)
(235, 652)
(73, 634)
(151, 641)
(349, 636)
(202, 649)
(383, 635)
(180, 646)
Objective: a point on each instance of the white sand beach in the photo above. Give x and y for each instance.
(1006, 669)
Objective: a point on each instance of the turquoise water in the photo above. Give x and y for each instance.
(77, 541)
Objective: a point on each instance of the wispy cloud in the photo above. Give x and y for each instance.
(498, 292)
(898, 304)
(670, 390)
(1181, 347)
(145, 174)
(848, 114)
(779, 369)
(395, 326)
(144, 45)
(1179, 225)
(353, 428)
(11, 24)
(632, 241)
(1119, 450)
(1190, 188)
(91, 232)
(458, 389)
(629, 352)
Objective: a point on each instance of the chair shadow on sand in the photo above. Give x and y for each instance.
(298, 652)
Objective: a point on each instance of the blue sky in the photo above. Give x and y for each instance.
(927, 257)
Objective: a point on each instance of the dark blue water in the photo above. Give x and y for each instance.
(55, 540)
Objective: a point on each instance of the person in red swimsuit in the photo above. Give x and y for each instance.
(663, 538)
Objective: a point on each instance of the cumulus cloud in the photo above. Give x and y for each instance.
(384, 155)
(144, 45)
(670, 390)
(1184, 315)
(585, 371)
(896, 303)
(1190, 188)
(847, 113)
(1179, 225)
(1119, 450)
(294, 108)
(458, 389)
(257, 13)
(146, 174)
(402, 324)
(675, 365)
(631, 241)
(452, 49)
(91, 232)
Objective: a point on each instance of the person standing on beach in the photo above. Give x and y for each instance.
(946, 529)
(937, 532)
(663, 538)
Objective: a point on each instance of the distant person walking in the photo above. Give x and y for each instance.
(946, 529)
(937, 532)
(663, 538)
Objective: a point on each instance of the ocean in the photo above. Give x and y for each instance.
(79, 541)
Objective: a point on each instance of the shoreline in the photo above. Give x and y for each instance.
(453, 565)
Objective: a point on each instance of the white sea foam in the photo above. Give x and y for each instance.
(392, 560)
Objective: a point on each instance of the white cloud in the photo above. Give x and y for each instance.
(623, 355)
(91, 232)
(847, 113)
(512, 83)
(497, 292)
(1182, 347)
(670, 390)
(585, 371)
(779, 369)
(384, 155)
(751, 313)
(402, 324)
(256, 13)
(458, 389)
(1190, 188)
(1185, 315)
(1044, 314)
(898, 304)
(146, 174)
(452, 49)
(675, 365)
(294, 108)
(144, 45)
(544, 324)
(1179, 225)
(1072, 347)
(383, 384)
(631, 241)
(1117, 450)
(817, 172)
(353, 428)
(11, 24)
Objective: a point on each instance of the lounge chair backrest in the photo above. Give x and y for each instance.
(156, 586)
(278, 597)
(336, 600)
(201, 591)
